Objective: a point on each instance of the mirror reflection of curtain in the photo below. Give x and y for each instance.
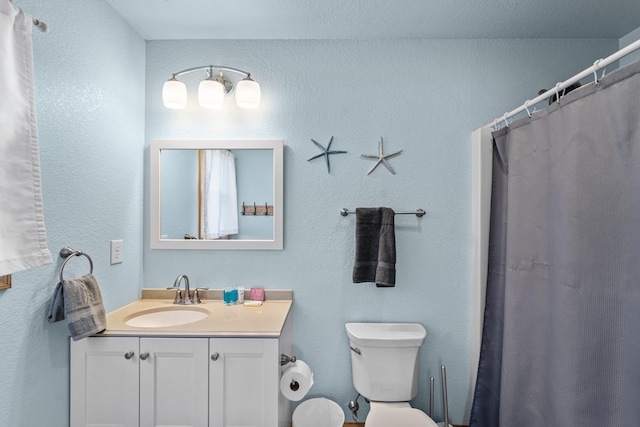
(219, 204)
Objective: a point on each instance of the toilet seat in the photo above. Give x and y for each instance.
(394, 415)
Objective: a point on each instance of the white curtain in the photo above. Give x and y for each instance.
(219, 195)
(23, 238)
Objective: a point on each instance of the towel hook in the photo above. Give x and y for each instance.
(69, 253)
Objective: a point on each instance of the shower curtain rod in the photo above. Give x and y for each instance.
(599, 64)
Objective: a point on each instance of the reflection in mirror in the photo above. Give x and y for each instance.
(199, 189)
(218, 195)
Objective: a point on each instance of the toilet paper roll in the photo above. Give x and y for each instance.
(296, 381)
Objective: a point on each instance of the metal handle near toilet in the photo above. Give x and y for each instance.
(356, 350)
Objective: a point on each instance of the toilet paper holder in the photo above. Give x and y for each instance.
(284, 359)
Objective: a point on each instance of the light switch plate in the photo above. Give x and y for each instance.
(116, 251)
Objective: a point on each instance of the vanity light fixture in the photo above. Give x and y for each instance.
(212, 90)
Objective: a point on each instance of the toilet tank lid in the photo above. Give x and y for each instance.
(386, 334)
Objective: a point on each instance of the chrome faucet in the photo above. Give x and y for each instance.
(187, 299)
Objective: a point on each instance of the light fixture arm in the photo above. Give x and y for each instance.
(209, 68)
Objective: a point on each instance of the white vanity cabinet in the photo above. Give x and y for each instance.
(199, 382)
(173, 382)
(244, 382)
(125, 381)
(104, 382)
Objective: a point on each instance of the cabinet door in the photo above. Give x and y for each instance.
(104, 382)
(244, 382)
(174, 382)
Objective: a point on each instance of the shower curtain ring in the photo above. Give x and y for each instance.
(526, 107)
(506, 122)
(557, 93)
(595, 71)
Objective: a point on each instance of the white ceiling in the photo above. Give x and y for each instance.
(379, 19)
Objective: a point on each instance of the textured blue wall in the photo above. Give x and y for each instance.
(89, 72)
(422, 96)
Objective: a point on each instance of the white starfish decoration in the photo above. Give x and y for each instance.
(382, 158)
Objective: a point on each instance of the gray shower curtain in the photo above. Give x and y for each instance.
(561, 339)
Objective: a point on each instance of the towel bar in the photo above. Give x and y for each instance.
(69, 253)
(417, 212)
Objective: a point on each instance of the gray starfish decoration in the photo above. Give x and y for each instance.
(382, 158)
(326, 153)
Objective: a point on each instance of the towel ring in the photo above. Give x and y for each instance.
(69, 253)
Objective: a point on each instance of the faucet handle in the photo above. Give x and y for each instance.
(178, 298)
(196, 295)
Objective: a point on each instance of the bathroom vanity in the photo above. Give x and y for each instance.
(222, 369)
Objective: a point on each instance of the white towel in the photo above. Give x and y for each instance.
(23, 238)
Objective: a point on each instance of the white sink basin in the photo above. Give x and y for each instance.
(165, 317)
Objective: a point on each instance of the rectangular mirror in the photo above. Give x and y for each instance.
(216, 194)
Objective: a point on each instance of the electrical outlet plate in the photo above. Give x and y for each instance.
(116, 251)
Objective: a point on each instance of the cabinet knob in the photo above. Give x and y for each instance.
(144, 356)
(215, 356)
(128, 355)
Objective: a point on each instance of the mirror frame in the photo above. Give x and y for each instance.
(155, 232)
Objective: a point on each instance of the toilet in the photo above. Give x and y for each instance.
(384, 367)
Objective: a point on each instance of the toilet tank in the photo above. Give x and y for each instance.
(384, 359)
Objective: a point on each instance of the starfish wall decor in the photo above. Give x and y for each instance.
(326, 152)
(381, 157)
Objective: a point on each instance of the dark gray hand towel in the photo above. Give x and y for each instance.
(56, 308)
(375, 247)
(80, 302)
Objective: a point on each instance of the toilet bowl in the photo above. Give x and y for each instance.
(384, 367)
(385, 414)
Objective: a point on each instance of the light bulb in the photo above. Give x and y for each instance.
(174, 94)
(211, 93)
(248, 93)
